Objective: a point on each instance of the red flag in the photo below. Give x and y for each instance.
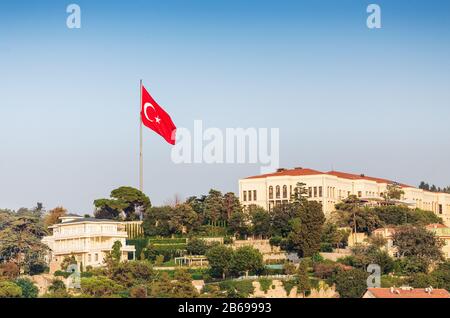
(155, 118)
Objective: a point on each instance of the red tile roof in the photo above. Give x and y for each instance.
(413, 293)
(311, 172)
(363, 177)
(289, 172)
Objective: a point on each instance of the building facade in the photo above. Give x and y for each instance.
(87, 239)
(329, 188)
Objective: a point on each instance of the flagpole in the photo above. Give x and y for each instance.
(141, 162)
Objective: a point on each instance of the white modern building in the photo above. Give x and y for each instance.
(329, 188)
(87, 239)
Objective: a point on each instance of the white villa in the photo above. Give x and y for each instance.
(87, 239)
(329, 188)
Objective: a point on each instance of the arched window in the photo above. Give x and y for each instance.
(277, 192)
(285, 191)
(270, 192)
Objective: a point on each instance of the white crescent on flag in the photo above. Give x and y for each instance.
(146, 105)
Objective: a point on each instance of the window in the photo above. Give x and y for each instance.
(320, 192)
(290, 191)
(254, 195)
(245, 195)
(310, 192)
(249, 195)
(270, 192)
(277, 192)
(315, 192)
(284, 191)
(359, 194)
(89, 258)
(440, 208)
(96, 257)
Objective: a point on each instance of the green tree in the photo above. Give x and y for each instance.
(421, 280)
(441, 275)
(182, 287)
(247, 259)
(10, 290)
(157, 221)
(419, 243)
(183, 219)
(393, 192)
(260, 219)
(57, 286)
(351, 283)
(303, 283)
(116, 252)
(20, 240)
(231, 205)
(67, 261)
(196, 246)
(109, 209)
(214, 206)
(52, 216)
(281, 217)
(220, 260)
(161, 287)
(100, 286)
(29, 290)
(306, 233)
(127, 200)
(133, 273)
(333, 236)
(361, 219)
(237, 224)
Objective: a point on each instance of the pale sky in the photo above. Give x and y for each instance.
(343, 96)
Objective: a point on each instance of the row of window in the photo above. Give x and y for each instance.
(95, 257)
(250, 197)
(278, 192)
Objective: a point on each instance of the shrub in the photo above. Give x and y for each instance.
(237, 289)
(29, 290)
(326, 247)
(265, 284)
(10, 290)
(275, 240)
(388, 281)
(56, 286)
(60, 273)
(288, 285)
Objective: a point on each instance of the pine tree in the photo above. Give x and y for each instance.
(303, 284)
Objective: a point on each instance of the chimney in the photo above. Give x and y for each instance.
(281, 169)
(298, 168)
(362, 175)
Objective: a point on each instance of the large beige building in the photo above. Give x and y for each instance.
(329, 188)
(87, 239)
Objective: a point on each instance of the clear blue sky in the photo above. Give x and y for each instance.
(359, 100)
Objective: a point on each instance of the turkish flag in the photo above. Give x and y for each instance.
(155, 118)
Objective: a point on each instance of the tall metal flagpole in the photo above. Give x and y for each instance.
(141, 162)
